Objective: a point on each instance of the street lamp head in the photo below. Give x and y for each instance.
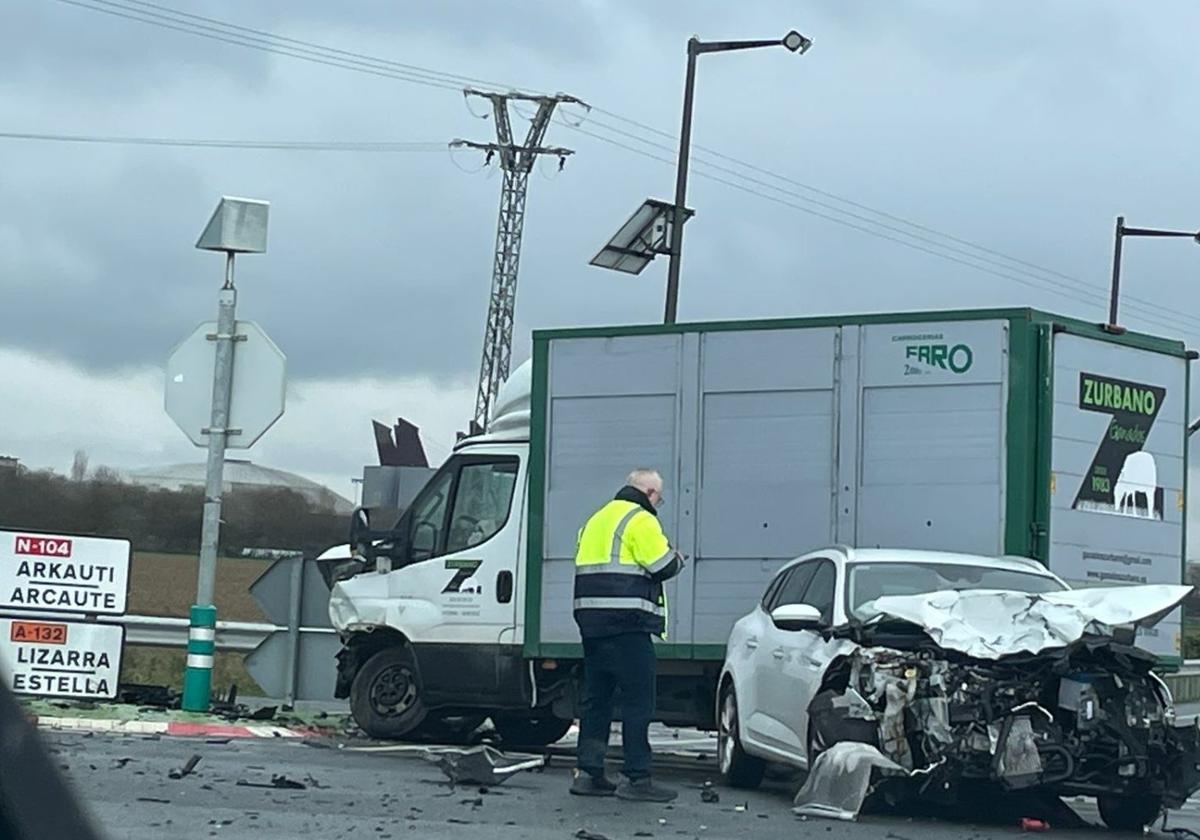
(238, 225)
(796, 42)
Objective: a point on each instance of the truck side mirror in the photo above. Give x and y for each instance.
(360, 530)
(423, 541)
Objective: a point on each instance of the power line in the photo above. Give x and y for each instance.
(985, 256)
(1180, 322)
(274, 145)
(166, 22)
(350, 54)
(213, 29)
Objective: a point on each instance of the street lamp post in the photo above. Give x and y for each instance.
(1118, 236)
(793, 41)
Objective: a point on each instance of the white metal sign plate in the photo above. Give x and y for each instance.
(63, 573)
(259, 384)
(61, 658)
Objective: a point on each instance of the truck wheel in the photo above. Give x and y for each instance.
(517, 731)
(1129, 813)
(738, 769)
(385, 697)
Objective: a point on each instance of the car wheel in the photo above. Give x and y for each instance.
(738, 769)
(517, 731)
(385, 697)
(1129, 813)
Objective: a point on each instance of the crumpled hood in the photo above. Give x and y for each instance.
(988, 623)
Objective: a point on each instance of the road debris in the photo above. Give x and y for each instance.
(1033, 824)
(147, 697)
(154, 799)
(280, 782)
(482, 765)
(186, 769)
(709, 794)
(841, 779)
(584, 834)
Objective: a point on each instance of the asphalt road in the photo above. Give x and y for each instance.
(355, 793)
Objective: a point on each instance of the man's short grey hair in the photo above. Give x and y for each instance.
(644, 478)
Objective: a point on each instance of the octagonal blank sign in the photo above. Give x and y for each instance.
(259, 383)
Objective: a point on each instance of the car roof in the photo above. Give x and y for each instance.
(904, 555)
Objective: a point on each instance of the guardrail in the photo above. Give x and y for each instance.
(1185, 683)
(168, 631)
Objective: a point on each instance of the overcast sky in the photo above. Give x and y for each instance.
(1025, 127)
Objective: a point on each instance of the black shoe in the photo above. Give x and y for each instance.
(644, 790)
(585, 784)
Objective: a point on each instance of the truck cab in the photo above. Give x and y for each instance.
(430, 612)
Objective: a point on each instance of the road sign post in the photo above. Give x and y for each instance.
(237, 226)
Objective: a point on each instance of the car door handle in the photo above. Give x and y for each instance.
(778, 653)
(752, 643)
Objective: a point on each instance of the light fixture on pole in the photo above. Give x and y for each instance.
(792, 41)
(1121, 232)
(237, 226)
(657, 227)
(645, 235)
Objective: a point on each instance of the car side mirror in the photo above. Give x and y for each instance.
(797, 617)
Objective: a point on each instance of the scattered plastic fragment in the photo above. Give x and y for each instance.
(186, 769)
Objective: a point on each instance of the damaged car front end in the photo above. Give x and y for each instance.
(965, 689)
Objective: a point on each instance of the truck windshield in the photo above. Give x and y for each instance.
(868, 581)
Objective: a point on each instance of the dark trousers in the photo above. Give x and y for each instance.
(624, 662)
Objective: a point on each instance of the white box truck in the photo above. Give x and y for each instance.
(1004, 431)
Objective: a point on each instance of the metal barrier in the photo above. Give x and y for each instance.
(1185, 683)
(165, 631)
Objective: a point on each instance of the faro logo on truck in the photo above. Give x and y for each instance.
(956, 358)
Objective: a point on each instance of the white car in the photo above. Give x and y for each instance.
(961, 669)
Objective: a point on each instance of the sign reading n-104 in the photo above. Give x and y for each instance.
(61, 573)
(259, 384)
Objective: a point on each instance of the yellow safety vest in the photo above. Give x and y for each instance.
(620, 547)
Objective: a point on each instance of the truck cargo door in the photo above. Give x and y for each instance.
(931, 465)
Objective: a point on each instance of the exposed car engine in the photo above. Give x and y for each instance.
(1090, 719)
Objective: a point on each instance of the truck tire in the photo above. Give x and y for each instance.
(738, 768)
(515, 731)
(385, 697)
(1129, 813)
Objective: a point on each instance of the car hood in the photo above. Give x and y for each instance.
(989, 624)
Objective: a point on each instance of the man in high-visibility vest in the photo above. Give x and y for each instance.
(621, 563)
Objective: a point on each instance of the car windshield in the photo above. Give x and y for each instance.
(868, 581)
